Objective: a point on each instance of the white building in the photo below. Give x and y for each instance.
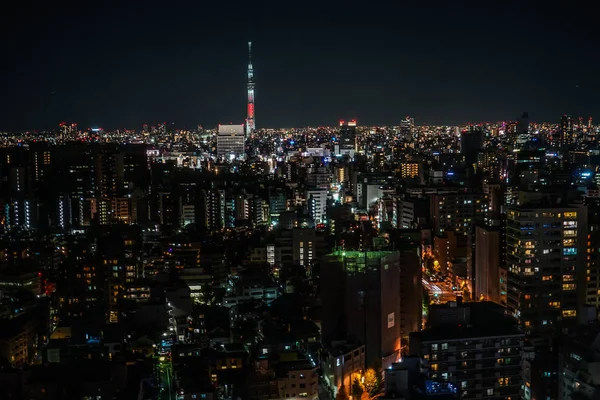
(231, 141)
(316, 200)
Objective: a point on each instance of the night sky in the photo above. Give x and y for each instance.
(114, 65)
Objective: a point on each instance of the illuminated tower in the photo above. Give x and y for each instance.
(250, 123)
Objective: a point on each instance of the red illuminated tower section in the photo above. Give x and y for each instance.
(250, 122)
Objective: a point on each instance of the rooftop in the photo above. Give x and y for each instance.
(471, 320)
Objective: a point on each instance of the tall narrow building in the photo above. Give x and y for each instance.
(490, 272)
(567, 131)
(250, 123)
(347, 141)
(546, 254)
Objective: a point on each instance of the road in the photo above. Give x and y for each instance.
(440, 292)
(166, 387)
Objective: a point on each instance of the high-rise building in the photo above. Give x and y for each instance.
(188, 200)
(545, 260)
(214, 209)
(411, 289)
(316, 201)
(471, 142)
(230, 141)
(475, 347)
(277, 202)
(490, 273)
(457, 211)
(567, 131)
(361, 299)
(109, 174)
(407, 126)
(347, 138)
(592, 296)
(166, 209)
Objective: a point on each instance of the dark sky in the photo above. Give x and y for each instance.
(113, 65)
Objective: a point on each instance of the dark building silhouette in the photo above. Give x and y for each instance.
(360, 294)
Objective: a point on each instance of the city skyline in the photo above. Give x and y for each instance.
(414, 215)
(374, 64)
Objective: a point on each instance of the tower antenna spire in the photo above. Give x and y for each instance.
(250, 122)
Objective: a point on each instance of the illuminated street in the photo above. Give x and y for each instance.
(165, 372)
(439, 292)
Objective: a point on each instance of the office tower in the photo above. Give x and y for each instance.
(214, 209)
(567, 132)
(258, 210)
(277, 202)
(136, 172)
(109, 174)
(347, 138)
(475, 347)
(250, 122)
(166, 209)
(188, 200)
(457, 211)
(545, 260)
(230, 141)
(360, 293)
(490, 164)
(316, 201)
(110, 204)
(81, 180)
(471, 142)
(407, 126)
(490, 273)
(379, 158)
(42, 162)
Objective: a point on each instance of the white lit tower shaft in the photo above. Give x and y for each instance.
(250, 123)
